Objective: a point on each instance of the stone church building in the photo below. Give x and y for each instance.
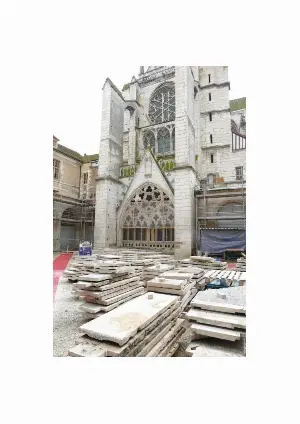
(167, 133)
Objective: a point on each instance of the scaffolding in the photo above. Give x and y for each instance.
(220, 205)
(73, 216)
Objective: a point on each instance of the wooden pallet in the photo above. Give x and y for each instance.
(229, 276)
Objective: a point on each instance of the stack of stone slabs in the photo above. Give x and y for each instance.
(173, 282)
(220, 314)
(241, 264)
(205, 262)
(155, 270)
(198, 275)
(147, 326)
(104, 292)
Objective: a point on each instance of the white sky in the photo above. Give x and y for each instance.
(77, 113)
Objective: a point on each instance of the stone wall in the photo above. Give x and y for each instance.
(110, 159)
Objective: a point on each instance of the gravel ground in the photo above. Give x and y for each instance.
(66, 319)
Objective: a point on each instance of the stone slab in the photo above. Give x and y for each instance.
(217, 319)
(170, 336)
(175, 275)
(172, 291)
(216, 348)
(191, 270)
(125, 321)
(86, 350)
(156, 339)
(170, 350)
(106, 301)
(157, 333)
(233, 302)
(104, 295)
(170, 346)
(125, 299)
(94, 277)
(113, 349)
(216, 332)
(161, 282)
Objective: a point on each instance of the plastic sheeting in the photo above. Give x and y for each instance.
(217, 241)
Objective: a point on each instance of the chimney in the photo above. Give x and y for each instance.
(141, 70)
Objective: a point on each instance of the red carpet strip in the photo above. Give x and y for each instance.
(59, 265)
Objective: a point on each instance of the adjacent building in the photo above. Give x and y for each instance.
(74, 190)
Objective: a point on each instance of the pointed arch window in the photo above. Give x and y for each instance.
(149, 141)
(163, 140)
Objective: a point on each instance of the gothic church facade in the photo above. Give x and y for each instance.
(167, 131)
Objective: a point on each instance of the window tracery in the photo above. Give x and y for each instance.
(149, 216)
(162, 104)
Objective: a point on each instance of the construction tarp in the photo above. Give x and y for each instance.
(218, 241)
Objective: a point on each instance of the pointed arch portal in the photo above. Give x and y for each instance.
(148, 219)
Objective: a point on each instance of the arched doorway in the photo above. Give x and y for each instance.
(148, 219)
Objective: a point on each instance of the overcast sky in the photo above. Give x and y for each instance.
(77, 114)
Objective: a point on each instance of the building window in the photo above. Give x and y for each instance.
(162, 104)
(239, 172)
(211, 138)
(85, 178)
(163, 140)
(208, 77)
(56, 167)
(209, 96)
(210, 116)
(211, 158)
(149, 141)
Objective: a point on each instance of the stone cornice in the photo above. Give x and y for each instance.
(184, 166)
(215, 85)
(214, 146)
(156, 76)
(215, 111)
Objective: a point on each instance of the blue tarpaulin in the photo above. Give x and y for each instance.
(217, 241)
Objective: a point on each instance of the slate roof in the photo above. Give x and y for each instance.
(75, 155)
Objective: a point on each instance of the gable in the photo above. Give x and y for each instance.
(148, 172)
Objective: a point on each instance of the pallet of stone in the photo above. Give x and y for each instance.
(241, 264)
(185, 301)
(138, 342)
(107, 290)
(205, 265)
(218, 319)
(219, 313)
(231, 300)
(108, 297)
(198, 275)
(170, 286)
(184, 289)
(168, 341)
(155, 270)
(146, 326)
(94, 310)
